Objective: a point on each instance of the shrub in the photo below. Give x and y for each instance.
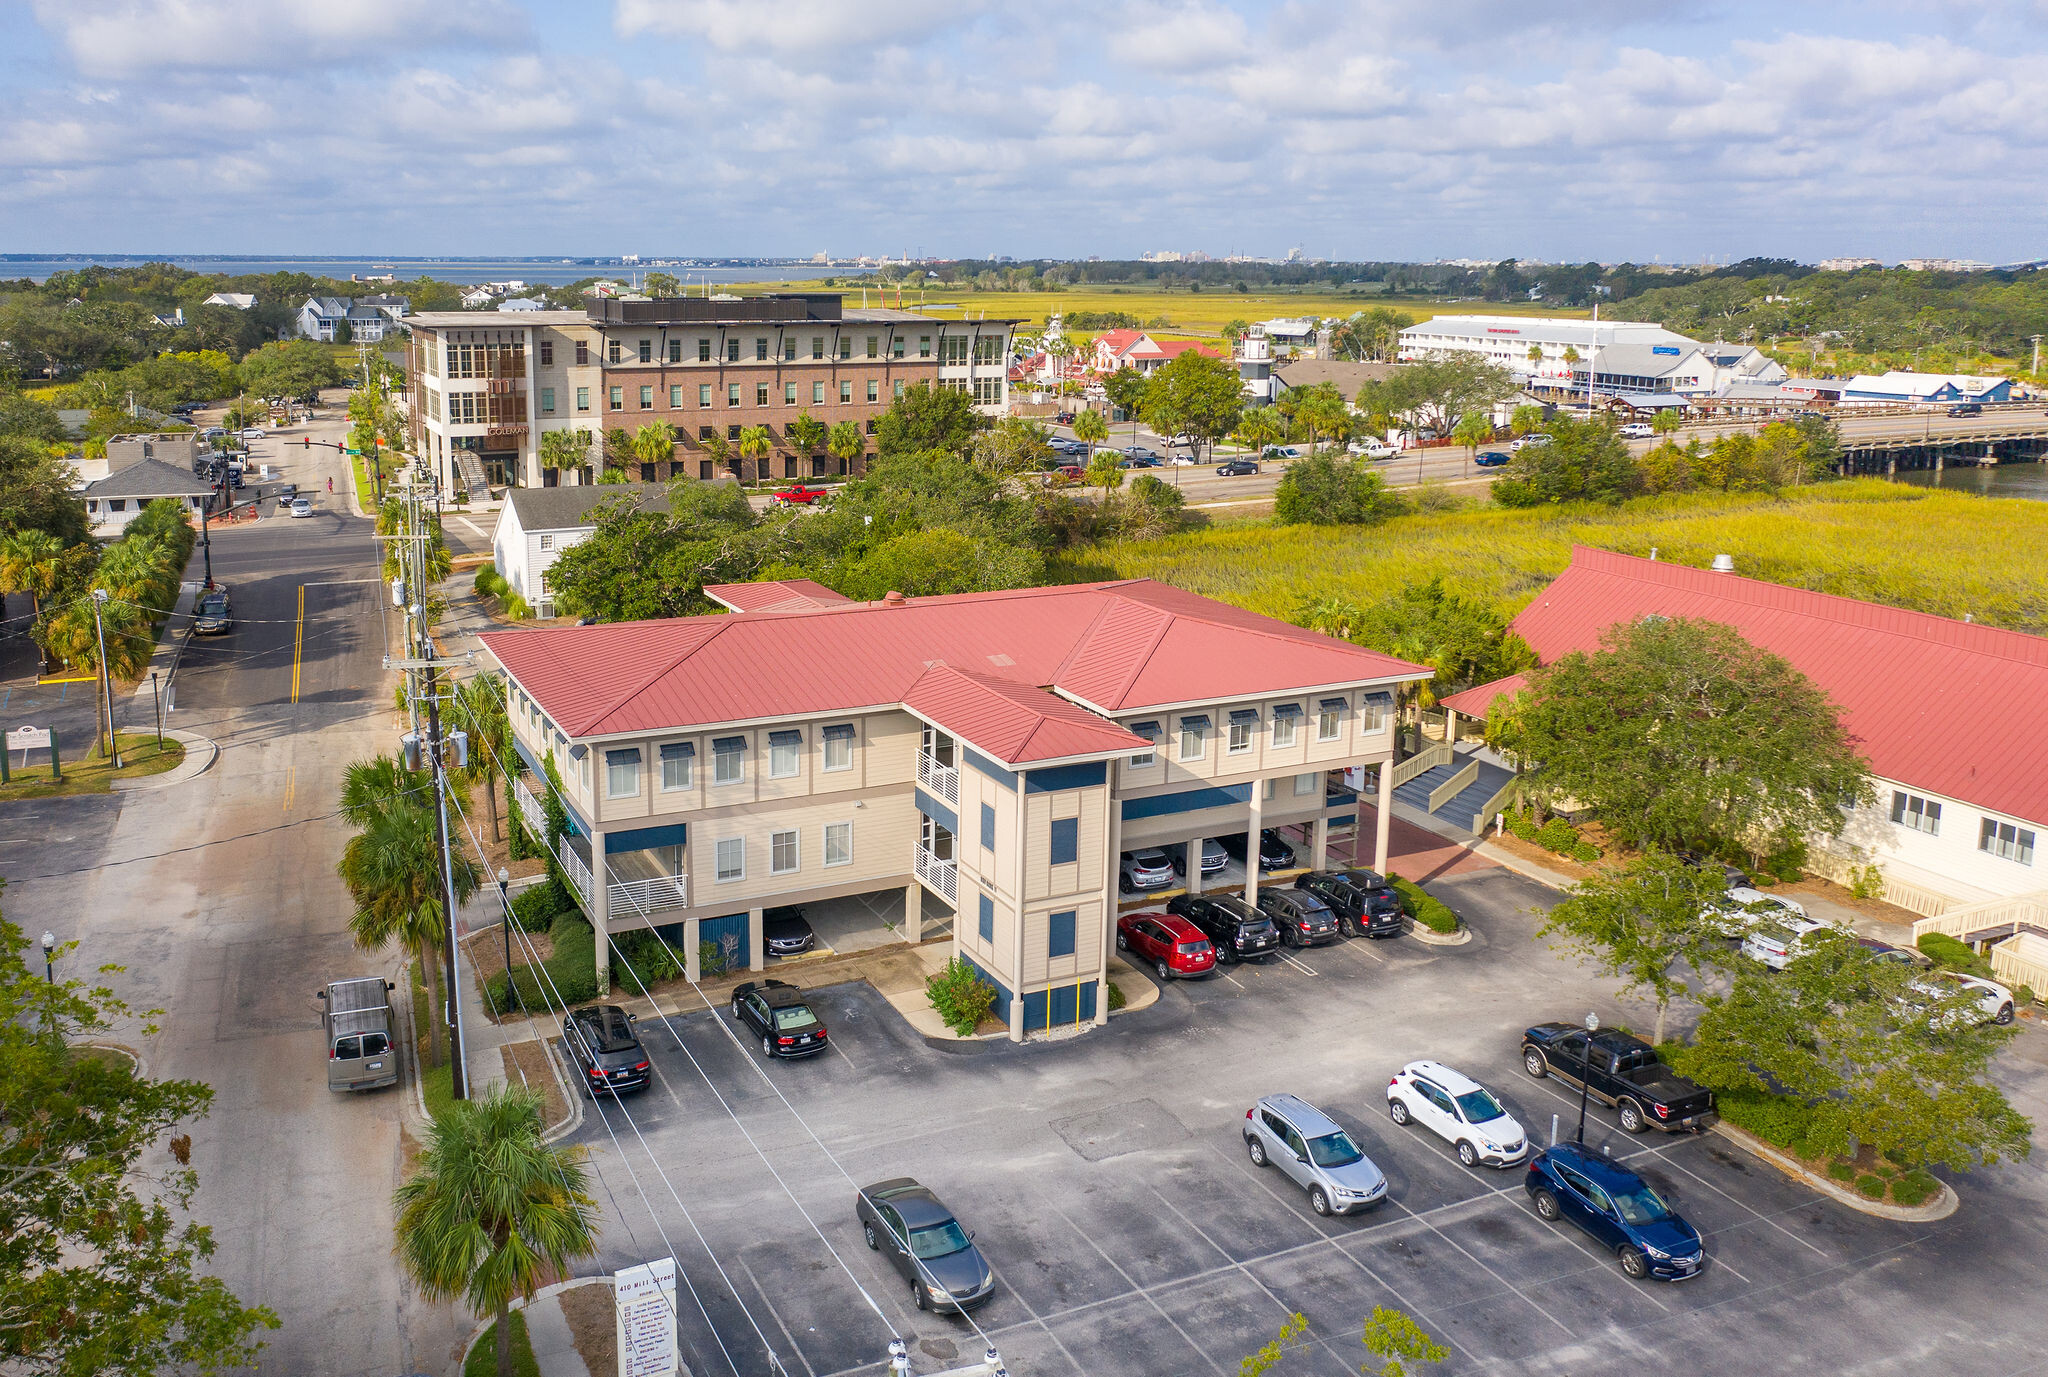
(1787, 863)
(1951, 954)
(516, 608)
(1585, 853)
(1914, 1188)
(1842, 1172)
(571, 971)
(535, 909)
(1116, 996)
(960, 996)
(489, 583)
(1866, 882)
(1425, 909)
(710, 958)
(1870, 1186)
(1522, 825)
(1763, 879)
(652, 959)
(2023, 995)
(1777, 1119)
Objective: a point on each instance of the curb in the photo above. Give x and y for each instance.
(1431, 938)
(1944, 1204)
(1480, 846)
(483, 1327)
(200, 753)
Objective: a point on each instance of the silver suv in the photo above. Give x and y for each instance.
(1293, 1135)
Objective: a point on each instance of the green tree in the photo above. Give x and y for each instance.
(806, 434)
(288, 368)
(564, 449)
(73, 638)
(1146, 510)
(939, 560)
(1667, 421)
(1091, 430)
(927, 417)
(30, 561)
(1202, 396)
(101, 1266)
(637, 564)
(654, 443)
(493, 1213)
(718, 450)
(1686, 737)
(478, 708)
(1012, 446)
(1434, 391)
(1105, 471)
(846, 443)
(1235, 329)
(1331, 490)
(1320, 408)
(1258, 428)
(757, 443)
(1372, 335)
(1397, 1341)
(1643, 926)
(1525, 419)
(1584, 461)
(1473, 430)
(1465, 640)
(1129, 391)
(1269, 1355)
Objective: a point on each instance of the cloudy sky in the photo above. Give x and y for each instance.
(1372, 129)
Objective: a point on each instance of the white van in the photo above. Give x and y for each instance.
(357, 1020)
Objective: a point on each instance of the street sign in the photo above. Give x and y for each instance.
(29, 739)
(646, 1307)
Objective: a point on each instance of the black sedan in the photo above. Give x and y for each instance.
(1236, 468)
(907, 1224)
(1302, 918)
(1365, 904)
(1238, 931)
(775, 1009)
(604, 1050)
(1274, 852)
(213, 617)
(786, 932)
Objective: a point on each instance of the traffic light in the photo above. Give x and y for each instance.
(309, 442)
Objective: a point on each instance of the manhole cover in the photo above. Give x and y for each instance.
(1118, 1129)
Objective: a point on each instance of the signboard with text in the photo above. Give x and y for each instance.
(29, 739)
(646, 1312)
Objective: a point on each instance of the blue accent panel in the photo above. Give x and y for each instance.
(577, 822)
(988, 919)
(937, 810)
(1186, 801)
(1059, 939)
(988, 827)
(1063, 777)
(1001, 1008)
(1066, 841)
(988, 767)
(1034, 1011)
(717, 930)
(1339, 819)
(642, 838)
(1063, 1001)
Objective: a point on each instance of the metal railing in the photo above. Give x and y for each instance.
(941, 877)
(1454, 786)
(650, 896)
(529, 807)
(579, 873)
(1993, 917)
(1420, 764)
(943, 780)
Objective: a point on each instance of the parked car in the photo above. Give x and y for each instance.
(1885, 951)
(1310, 1149)
(1063, 418)
(1523, 442)
(1303, 920)
(1491, 458)
(1622, 1071)
(776, 1010)
(1061, 445)
(1638, 430)
(252, 432)
(1966, 409)
(1070, 471)
(300, 506)
(1779, 940)
(1175, 947)
(786, 932)
(908, 1225)
(1459, 1110)
(1617, 1207)
(1994, 1001)
(1734, 876)
(1365, 904)
(1141, 459)
(1238, 931)
(1214, 857)
(213, 616)
(798, 495)
(1280, 452)
(1274, 852)
(1236, 468)
(1146, 868)
(602, 1046)
(1742, 908)
(1370, 449)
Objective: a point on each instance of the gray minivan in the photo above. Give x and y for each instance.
(357, 1019)
(1308, 1146)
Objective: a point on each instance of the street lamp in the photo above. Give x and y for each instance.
(505, 908)
(1586, 1071)
(49, 956)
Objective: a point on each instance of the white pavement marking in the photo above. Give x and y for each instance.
(1753, 1211)
(474, 527)
(1431, 1226)
(1297, 963)
(1131, 1282)
(762, 1292)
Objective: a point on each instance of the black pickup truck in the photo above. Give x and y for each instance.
(1624, 1072)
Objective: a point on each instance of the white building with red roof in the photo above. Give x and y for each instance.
(997, 751)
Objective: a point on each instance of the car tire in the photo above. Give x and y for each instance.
(873, 1243)
(1397, 1110)
(767, 1046)
(1546, 1206)
(1633, 1264)
(1319, 1200)
(1290, 937)
(1632, 1120)
(1534, 1064)
(1123, 884)
(1257, 1150)
(736, 1010)
(1468, 1156)
(1165, 971)
(2004, 1014)
(1123, 943)
(917, 1297)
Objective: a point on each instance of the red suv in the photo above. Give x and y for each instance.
(1175, 947)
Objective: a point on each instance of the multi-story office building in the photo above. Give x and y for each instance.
(997, 751)
(488, 385)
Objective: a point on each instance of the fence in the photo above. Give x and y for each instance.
(1420, 764)
(1483, 816)
(1844, 871)
(941, 876)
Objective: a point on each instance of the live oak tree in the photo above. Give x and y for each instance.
(100, 1262)
(1643, 925)
(1195, 395)
(1682, 735)
(927, 417)
(1434, 391)
(1332, 490)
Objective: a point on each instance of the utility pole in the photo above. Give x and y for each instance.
(2037, 354)
(99, 600)
(458, 1055)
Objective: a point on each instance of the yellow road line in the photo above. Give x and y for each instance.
(298, 642)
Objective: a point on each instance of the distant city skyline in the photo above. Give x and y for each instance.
(1370, 130)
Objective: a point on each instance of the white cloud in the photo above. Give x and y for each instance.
(132, 37)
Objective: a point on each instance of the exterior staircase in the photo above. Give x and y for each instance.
(1481, 778)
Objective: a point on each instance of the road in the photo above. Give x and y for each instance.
(218, 896)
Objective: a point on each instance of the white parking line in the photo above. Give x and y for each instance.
(1131, 1282)
(1753, 1211)
(1431, 1226)
(1298, 963)
(762, 1291)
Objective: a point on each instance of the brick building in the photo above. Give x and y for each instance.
(487, 386)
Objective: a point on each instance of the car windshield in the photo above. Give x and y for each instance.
(1334, 1150)
(940, 1240)
(213, 607)
(794, 1020)
(1641, 1206)
(1479, 1106)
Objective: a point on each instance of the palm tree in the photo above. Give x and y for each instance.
(74, 638)
(1524, 418)
(1106, 472)
(564, 449)
(846, 443)
(806, 433)
(755, 443)
(371, 787)
(30, 562)
(479, 709)
(654, 442)
(1091, 430)
(1535, 355)
(1666, 422)
(493, 1212)
(1472, 431)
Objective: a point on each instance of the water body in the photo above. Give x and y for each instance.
(467, 270)
(2004, 480)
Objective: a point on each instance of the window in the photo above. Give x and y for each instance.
(1243, 722)
(818, 394)
(789, 394)
(896, 343)
(1330, 718)
(547, 353)
(2004, 839)
(647, 399)
(728, 759)
(783, 749)
(675, 396)
(782, 854)
(988, 391)
(988, 919)
(732, 351)
(1304, 785)
(1194, 737)
(1066, 841)
(583, 351)
(817, 346)
(732, 859)
(618, 398)
(732, 394)
(952, 350)
(789, 348)
(703, 351)
(675, 351)
(988, 827)
(1150, 731)
(678, 766)
(1286, 722)
(547, 542)
(760, 349)
(838, 843)
(703, 394)
(874, 390)
(1920, 814)
(899, 389)
(760, 394)
(839, 747)
(874, 346)
(924, 346)
(583, 399)
(988, 349)
(1374, 710)
(1059, 934)
(647, 351)
(547, 401)
(846, 346)
(845, 391)
(622, 773)
(611, 351)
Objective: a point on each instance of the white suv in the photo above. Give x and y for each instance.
(1994, 1001)
(1780, 939)
(1742, 908)
(1461, 1111)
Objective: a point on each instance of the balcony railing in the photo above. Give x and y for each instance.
(579, 873)
(941, 877)
(646, 897)
(943, 780)
(529, 808)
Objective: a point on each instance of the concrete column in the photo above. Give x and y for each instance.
(757, 957)
(1016, 1016)
(1450, 727)
(601, 909)
(913, 911)
(1320, 853)
(1193, 855)
(1113, 829)
(1385, 811)
(1251, 843)
(693, 956)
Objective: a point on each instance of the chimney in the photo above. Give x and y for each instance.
(892, 598)
(1724, 564)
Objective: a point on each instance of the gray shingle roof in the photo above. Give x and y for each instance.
(149, 478)
(561, 509)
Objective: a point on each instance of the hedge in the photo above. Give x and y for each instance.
(572, 970)
(1952, 953)
(535, 909)
(1556, 835)
(1425, 909)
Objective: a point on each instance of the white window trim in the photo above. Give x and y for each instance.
(825, 843)
(1199, 736)
(1305, 783)
(718, 866)
(825, 760)
(637, 788)
(689, 764)
(795, 756)
(796, 846)
(1241, 749)
(1293, 726)
(739, 778)
(1144, 761)
(1336, 721)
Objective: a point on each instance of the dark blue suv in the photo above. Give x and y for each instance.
(1618, 1208)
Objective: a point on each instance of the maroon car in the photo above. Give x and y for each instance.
(1175, 947)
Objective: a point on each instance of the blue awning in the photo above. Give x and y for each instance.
(1287, 710)
(1195, 722)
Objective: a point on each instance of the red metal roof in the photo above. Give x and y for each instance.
(1113, 646)
(1015, 723)
(1947, 706)
(1474, 701)
(774, 595)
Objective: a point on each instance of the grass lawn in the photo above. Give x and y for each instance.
(88, 773)
(437, 1084)
(1935, 551)
(483, 1359)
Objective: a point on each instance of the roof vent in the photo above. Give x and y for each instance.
(1724, 564)
(892, 598)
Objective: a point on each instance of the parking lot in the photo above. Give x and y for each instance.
(1106, 1179)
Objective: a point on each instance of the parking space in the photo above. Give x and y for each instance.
(862, 922)
(1106, 1180)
